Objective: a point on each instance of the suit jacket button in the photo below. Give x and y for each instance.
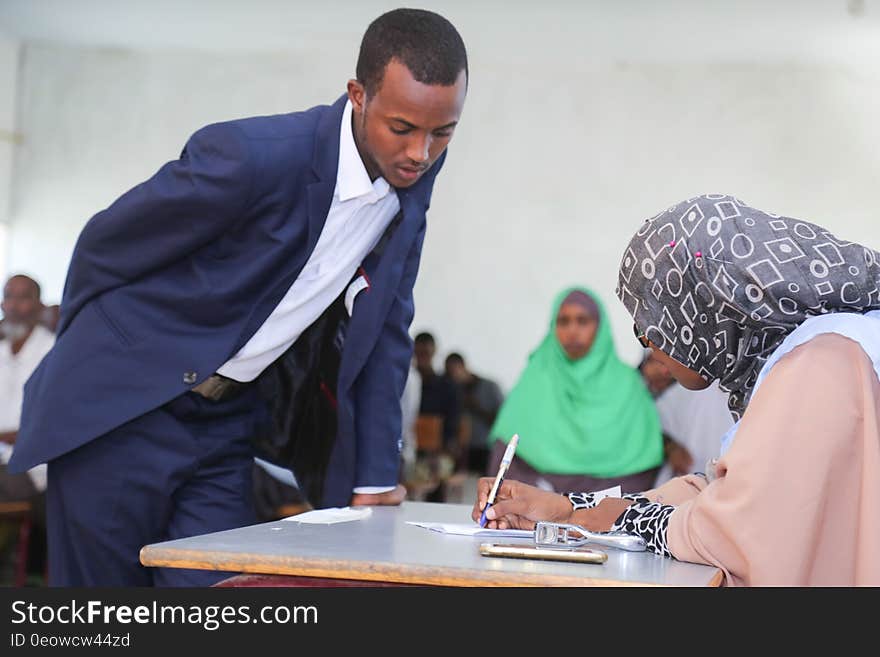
(190, 377)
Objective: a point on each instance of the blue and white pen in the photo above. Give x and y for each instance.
(502, 469)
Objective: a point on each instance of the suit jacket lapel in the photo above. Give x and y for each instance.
(325, 163)
(367, 321)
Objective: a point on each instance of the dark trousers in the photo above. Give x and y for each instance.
(181, 470)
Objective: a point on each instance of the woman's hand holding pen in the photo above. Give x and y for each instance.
(519, 506)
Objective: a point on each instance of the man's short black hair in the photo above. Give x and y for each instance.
(455, 357)
(425, 42)
(424, 338)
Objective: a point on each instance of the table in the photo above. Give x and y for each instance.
(383, 549)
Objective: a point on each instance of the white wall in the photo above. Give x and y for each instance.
(96, 122)
(8, 85)
(568, 141)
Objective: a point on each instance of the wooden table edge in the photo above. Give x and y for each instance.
(371, 572)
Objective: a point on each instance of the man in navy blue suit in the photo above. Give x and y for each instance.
(192, 285)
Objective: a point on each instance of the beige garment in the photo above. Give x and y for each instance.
(797, 502)
(678, 490)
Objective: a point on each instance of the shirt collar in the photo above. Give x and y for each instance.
(352, 179)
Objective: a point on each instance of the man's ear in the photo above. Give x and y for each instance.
(357, 94)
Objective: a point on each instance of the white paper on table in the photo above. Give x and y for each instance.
(614, 491)
(332, 515)
(457, 529)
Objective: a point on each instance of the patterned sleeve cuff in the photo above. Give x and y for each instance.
(589, 500)
(582, 500)
(648, 520)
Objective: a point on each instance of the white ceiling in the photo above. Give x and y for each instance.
(630, 29)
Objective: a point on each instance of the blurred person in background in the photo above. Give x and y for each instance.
(481, 399)
(25, 341)
(585, 419)
(439, 394)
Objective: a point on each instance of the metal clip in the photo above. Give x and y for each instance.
(562, 535)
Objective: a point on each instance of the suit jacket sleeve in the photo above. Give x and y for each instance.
(187, 204)
(379, 431)
(382, 382)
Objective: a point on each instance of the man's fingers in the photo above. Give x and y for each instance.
(390, 498)
(396, 496)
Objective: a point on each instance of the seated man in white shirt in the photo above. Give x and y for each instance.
(23, 344)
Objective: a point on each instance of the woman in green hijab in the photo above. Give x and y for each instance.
(585, 419)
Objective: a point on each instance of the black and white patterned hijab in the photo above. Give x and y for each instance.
(717, 285)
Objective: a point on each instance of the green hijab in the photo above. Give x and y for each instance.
(593, 416)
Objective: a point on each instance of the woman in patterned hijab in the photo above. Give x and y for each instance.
(784, 315)
(717, 285)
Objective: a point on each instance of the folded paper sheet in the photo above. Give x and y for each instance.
(471, 529)
(333, 515)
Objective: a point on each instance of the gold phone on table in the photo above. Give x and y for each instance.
(515, 551)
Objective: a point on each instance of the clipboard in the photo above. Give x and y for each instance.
(520, 551)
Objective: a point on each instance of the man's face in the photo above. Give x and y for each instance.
(456, 371)
(21, 302)
(406, 125)
(424, 353)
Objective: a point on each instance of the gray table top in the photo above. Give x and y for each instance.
(384, 548)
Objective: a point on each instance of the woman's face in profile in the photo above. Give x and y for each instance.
(685, 376)
(575, 330)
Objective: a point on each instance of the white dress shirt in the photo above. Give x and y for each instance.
(359, 214)
(15, 369)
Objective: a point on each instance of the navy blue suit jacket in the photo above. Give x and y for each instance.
(177, 274)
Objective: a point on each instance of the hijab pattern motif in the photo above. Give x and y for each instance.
(717, 285)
